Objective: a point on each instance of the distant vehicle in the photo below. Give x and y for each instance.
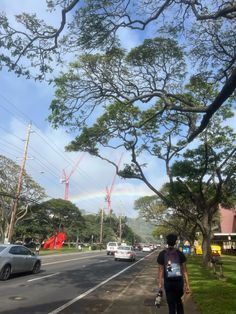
(152, 247)
(147, 248)
(138, 246)
(112, 247)
(16, 258)
(125, 253)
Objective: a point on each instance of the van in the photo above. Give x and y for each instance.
(112, 247)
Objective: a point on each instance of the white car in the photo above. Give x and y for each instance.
(147, 248)
(125, 253)
(112, 247)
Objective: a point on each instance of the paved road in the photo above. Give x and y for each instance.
(74, 283)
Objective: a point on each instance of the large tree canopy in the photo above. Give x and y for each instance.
(31, 193)
(47, 218)
(205, 32)
(152, 99)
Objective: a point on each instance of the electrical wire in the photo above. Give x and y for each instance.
(53, 147)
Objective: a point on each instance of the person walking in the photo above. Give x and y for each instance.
(173, 275)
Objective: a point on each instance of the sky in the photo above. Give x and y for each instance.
(23, 101)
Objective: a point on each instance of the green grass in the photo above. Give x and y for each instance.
(213, 296)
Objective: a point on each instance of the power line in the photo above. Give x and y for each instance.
(30, 119)
(10, 133)
(12, 146)
(53, 147)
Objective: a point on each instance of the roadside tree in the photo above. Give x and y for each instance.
(200, 190)
(167, 220)
(201, 179)
(49, 217)
(155, 98)
(205, 32)
(31, 193)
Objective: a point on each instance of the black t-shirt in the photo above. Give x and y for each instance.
(161, 258)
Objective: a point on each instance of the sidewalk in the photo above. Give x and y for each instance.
(139, 297)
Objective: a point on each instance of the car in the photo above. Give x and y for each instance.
(147, 248)
(15, 258)
(125, 253)
(138, 246)
(112, 247)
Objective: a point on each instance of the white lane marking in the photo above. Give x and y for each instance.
(38, 278)
(68, 260)
(64, 306)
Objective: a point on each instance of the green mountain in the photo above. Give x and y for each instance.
(142, 228)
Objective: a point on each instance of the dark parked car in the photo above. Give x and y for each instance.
(16, 258)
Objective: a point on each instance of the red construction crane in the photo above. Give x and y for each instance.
(109, 191)
(66, 178)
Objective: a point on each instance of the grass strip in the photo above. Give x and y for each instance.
(213, 295)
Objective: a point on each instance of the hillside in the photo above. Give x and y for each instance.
(142, 228)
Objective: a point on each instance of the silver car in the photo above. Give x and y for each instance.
(125, 253)
(17, 259)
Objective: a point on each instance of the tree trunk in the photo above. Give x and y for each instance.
(206, 241)
(1, 235)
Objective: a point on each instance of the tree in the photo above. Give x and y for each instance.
(31, 193)
(51, 217)
(62, 215)
(167, 220)
(201, 179)
(199, 28)
(196, 187)
(91, 229)
(157, 97)
(206, 177)
(111, 229)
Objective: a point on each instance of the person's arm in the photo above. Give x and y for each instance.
(186, 281)
(160, 277)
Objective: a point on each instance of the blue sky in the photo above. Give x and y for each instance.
(22, 101)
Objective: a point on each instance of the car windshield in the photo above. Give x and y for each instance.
(112, 243)
(2, 248)
(126, 248)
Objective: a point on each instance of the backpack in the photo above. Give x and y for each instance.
(173, 269)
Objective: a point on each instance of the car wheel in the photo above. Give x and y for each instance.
(36, 268)
(5, 272)
(115, 259)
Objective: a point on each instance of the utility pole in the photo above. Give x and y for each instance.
(19, 187)
(101, 226)
(120, 228)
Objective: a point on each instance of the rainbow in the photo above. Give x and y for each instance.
(127, 192)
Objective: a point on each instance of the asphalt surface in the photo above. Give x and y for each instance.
(86, 283)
